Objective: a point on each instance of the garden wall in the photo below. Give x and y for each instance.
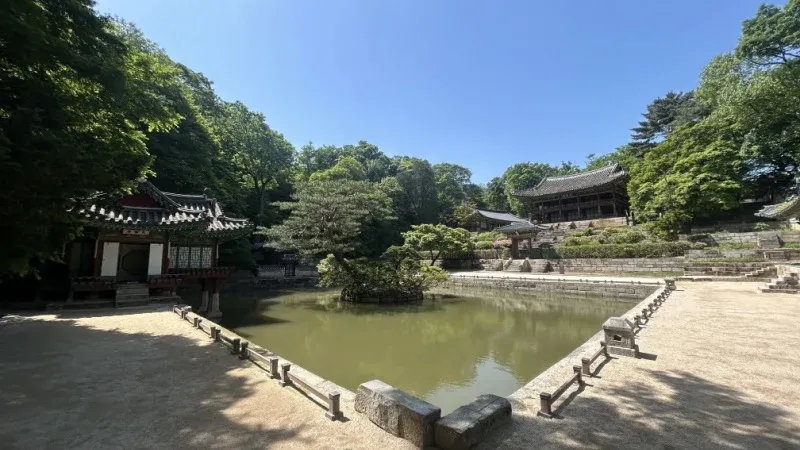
(605, 288)
(752, 237)
(623, 265)
(599, 265)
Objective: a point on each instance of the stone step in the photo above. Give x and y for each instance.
(779, 291)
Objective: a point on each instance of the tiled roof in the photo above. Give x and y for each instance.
(785, 210)
(580, 181)
(523, 226)
(198, 213)
(498, 215)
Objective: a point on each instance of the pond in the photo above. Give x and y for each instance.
(446, 350)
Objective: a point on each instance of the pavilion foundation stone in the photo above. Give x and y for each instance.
(466, 426)
(398, 412)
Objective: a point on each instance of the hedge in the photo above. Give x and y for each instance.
(641, 250)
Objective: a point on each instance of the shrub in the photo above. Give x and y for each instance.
(506, 253)
(627, 237)
(761, 226)
(398, 273)
(640, 250)
(484, 245)
(573, 241)
(487, 236)
(791, 245)
(699, 237)
(737, 246)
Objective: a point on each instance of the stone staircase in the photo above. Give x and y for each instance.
(517, 265)
(132, 294)
(787, 284)
(764, 272)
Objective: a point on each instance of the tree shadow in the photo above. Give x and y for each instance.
(675, 410)
(70, 384)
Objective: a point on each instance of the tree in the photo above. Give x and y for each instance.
(694, 173)
(452, 185)
(663, 116)
(495, 194)
(261, 154)
(75, 105)
(437, 239)
(327, 217)
(347, 168)
(418, 190)
(772, 37)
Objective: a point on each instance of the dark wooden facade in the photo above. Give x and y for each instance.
(595, 194)
(151, 241)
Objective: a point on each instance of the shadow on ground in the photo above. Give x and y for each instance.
(68, 385)
(677, 410)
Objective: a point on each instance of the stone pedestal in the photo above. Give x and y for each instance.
(619, 337)
(214, 311)
(670, 282)
(398, 412)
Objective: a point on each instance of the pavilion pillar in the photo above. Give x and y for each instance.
(614, 203)
(599, 211)
(214, 311)
(204, 297)
(514, 248)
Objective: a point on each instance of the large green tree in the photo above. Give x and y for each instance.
(76, 103)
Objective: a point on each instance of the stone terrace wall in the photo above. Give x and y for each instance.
(753, 237)
(601, 265)
(632, 291)
(622, 265)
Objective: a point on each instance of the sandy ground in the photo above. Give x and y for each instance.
(144, 379)
(721, 370)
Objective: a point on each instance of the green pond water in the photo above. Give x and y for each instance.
(446, 350)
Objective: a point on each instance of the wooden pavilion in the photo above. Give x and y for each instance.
(595, 194)
(146, 244)
(488, 220)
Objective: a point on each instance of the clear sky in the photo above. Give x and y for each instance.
(484, 84)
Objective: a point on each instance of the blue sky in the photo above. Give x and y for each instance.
(484, 84)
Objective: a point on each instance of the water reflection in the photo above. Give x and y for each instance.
(446, 350)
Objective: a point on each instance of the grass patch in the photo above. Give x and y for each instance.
(791, 245)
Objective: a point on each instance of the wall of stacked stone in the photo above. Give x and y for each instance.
(600, 265)
(753, 236)
(632, 291)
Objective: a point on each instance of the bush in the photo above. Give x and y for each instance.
(640, 250)
(399, 273)
(791, 245)
(761, 226)
(484, 245)
(699, 237)
(487, 236)
(573, 241)
(737, 246)
(627, 237)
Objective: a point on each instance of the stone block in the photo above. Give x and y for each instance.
(466, 426)
(619, 337)
(397, 412)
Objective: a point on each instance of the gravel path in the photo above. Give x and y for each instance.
(144, 379)
(722, 371)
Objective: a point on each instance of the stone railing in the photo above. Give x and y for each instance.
(619, 340)
(166, 281)
(586, 362)
(239, 346)
(203, 272)
(546, 399)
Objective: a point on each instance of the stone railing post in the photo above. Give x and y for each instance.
(236, 343)
(285, 381)
(544, 403)
(333, 411)
(273, 367)
(244, 348)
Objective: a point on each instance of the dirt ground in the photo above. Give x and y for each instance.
(720, 370)
(145, 379)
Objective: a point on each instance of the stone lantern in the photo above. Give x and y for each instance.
(619, 337)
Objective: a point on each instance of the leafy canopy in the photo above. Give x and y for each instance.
(437, 239)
